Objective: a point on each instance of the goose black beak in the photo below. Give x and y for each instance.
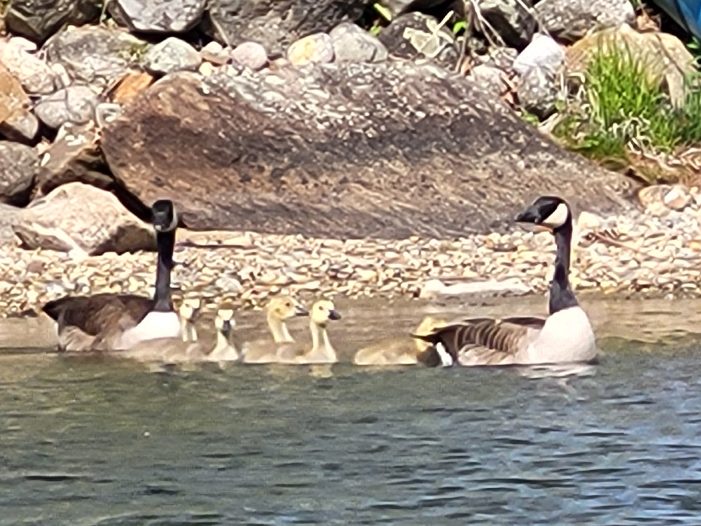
(301, 311)
(529, 215)
(334, 315)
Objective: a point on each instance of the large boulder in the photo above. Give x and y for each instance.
(309, 150)
(81, 219)
(277, 23)
(19, 165)
(39, 19)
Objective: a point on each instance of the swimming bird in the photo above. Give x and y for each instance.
(277, 312)
(120, 321)
(404, 350)
(321, 350)
(565, 336)
(189, 311)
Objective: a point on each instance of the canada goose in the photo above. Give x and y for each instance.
(321, 350)
(565, 336)
(176, 351)
(119, 321)
(404, 350)
(277, 312)
(189, 311)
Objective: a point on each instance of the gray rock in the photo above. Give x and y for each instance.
(277, 23)
(353, 44)
(170, 56)
(8, 218)
(415, 36)
(34, 74)
(74, 104)
(39, 19)
(157, 16)
(316, 48)
(95, 55)
(570, 20)
(539, 67)
(392, 148)
(22, 126)
(16, 121)
(215, 53)
(19, 165)
(490, 78)
(80, 218)
(251, 55)
(511, 20)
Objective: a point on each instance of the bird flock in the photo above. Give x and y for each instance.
(151, 329)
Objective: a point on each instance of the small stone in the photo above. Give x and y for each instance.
(132, 84)
(215, 53)
(251, 55)
(353, 44)
(74, 104)
(677, 198)
(34, 74)
(316, 48)
(18, 167)
(170, 56)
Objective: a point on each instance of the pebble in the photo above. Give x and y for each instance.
(251, 55)
(170, 56)
(315, 48)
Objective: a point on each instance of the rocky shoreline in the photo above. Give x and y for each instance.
(654, 252)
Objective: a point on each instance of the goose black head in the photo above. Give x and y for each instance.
(548, 211)
(164, 215)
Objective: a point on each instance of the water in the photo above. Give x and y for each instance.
(96, 441)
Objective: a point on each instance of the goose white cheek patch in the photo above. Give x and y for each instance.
(557, 218)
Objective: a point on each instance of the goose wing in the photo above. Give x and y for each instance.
(485, 341)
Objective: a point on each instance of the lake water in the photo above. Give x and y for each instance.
(97, 441)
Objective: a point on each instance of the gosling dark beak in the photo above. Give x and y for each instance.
(226, 327)
(301, 311)
(334, 315)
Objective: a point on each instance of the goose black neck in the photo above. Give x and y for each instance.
(162, 301)
(561, 295)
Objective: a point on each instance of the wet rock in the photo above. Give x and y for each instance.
(539, 67)
(353, 44)
(157, 16)
(39, 19)
(74, 156)
(277, 23)
(663, 57)
(94, 55)
(251, 55)
(571, 20)
(34, 74)
(18, 167)
(316, 48)
(77, 217)
(227, 149)
(170, 56)
(414, 36)
(16, 121)
(511, 20)
(74, 104)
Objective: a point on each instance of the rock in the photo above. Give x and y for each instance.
(316, 48)
(511, 20)
(266, 151)
(19, 164)
(16, 121)
(157, 16)
(34, 74)
(251, 55)
(571, 20)
(353, 44)
(8, 218)
(663, 57)
(95, 55)
(170, 56)
(665, 197)
(73, 156)
(435, 288)
(277, 23)
(215, 53)
(131, 85)
(492, 79)
(39, 19)
(539, 67)
(414, 35)
(77, 217)
(74, 104)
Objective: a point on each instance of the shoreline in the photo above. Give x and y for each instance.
(648, 253)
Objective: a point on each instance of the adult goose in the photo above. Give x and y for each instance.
(105, 322)
(565, 336)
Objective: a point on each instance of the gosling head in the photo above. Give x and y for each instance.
(190, 309)
(224, 320)
(548, 212)
(164, 215)
(323, 311)
(285, 307)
